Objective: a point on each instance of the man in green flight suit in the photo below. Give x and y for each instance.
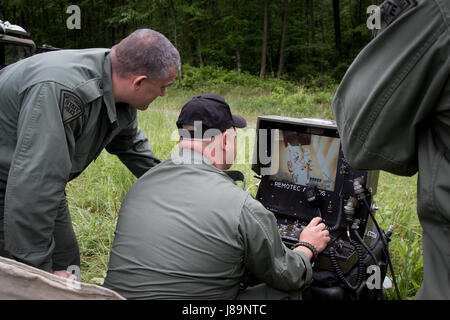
(393, 113)
(187, 231)
(58, 111)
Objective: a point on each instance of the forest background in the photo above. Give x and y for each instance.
(297, 40)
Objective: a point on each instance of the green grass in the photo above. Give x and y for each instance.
(397, 199)
(96, 195)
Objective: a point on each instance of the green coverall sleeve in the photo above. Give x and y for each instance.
(266, 257)
(37, 178)
(133, 149)
(391, 88)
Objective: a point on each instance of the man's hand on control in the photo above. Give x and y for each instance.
(316, 234)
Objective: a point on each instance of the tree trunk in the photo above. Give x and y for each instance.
(311, 15)
(236, 33)
(238, 59)
(93, 25)
(174, 17)
(337, 29)
(124, 25)
(22, 21)
(113, 28)
(283, 39)
(199, 51)
(46, 18)
(360, 23)
(262, 72)
(113, 36)
(190, 40)
(214, 9)
(322, 29)
(175, 26)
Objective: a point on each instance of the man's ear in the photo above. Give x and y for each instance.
(138, 81)
(224, 137)
(227, 134)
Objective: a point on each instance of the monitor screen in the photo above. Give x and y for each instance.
(307, 159)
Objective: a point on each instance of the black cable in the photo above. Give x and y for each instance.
(366, 247)
(341, 206)
(319, 212)
(339, 218)
(368, 250)
(338, 269)
(385, 249)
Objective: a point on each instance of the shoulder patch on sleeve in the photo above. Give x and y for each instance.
(392, 9)
(71, 106)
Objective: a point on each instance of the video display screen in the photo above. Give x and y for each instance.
(307, 159)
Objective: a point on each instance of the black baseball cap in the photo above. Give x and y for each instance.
(211, 111)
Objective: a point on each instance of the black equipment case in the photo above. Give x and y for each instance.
(303, 175)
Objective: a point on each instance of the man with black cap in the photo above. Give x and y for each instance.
(187, 231)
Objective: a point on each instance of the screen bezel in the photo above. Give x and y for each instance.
(292, 201)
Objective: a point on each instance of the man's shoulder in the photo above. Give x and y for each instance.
(201, 175)
(77, 71)
(253, 206)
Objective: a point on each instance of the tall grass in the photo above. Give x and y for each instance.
(95, 197)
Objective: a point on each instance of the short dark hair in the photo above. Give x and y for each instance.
(147, 52)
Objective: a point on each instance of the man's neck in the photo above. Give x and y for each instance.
(118, 82)
(199, 147)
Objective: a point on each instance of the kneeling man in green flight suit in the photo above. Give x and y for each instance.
(187, 231)
(58, 111)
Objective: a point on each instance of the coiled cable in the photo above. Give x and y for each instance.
(338, 269)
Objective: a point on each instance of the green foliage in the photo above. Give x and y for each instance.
(209, 33)
(397, 198)
(219, 78)
(339, 71)
(256, 96)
